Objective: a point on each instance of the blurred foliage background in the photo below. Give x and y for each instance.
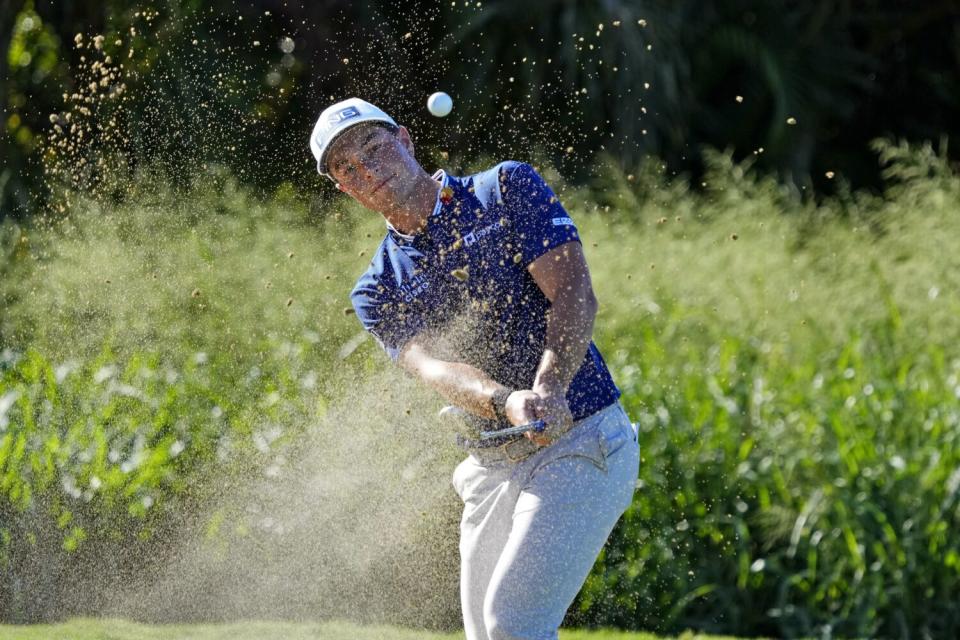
(631, 79)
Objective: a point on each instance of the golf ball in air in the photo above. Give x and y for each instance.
(439, 104)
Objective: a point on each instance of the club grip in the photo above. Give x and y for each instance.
(536, 425)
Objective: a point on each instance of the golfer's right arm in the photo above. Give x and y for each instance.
(466, 386)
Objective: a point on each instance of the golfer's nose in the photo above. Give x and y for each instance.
(371, 167)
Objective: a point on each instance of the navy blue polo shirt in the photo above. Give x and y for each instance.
(463, 282)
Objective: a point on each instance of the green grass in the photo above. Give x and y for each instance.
(794, 368)
(89, 629)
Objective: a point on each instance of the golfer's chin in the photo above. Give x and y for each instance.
(387, 198)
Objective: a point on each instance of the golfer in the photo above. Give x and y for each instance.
(480, 289)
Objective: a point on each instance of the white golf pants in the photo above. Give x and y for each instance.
(532, 530)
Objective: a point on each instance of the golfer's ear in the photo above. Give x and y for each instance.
(339, 186)
(404, 136)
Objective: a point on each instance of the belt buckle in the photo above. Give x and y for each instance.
(505, 447)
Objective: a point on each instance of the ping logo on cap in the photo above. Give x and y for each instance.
(343, 114)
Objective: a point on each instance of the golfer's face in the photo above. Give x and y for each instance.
(372, 164)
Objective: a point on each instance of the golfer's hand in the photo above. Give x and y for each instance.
(524, 407)
(556, 414)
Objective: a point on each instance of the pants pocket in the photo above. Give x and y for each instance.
(616, 431)
(586, 445)
(596, 442)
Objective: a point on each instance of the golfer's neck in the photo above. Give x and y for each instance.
(410, 217)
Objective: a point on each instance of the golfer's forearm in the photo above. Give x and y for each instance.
(463, 385)
(569, 330)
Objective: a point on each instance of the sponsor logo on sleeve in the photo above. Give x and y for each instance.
(413, 288)
(562, 221)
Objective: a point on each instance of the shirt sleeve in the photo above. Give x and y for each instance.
(539, 220)
(390, 322)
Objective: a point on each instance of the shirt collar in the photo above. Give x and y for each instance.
(444, 180)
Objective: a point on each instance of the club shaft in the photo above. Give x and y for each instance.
(512, 431)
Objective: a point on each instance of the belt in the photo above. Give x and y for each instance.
(513, 449)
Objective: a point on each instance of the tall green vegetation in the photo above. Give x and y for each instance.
(793, 368)
(796, 380)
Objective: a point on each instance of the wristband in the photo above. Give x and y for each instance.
(498, 402)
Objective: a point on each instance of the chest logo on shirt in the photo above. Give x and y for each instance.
(479, 234)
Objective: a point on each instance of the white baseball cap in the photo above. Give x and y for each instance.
(336, 119)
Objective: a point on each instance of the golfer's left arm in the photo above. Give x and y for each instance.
(563, 276)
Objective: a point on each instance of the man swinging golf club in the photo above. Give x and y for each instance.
(481, 290)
